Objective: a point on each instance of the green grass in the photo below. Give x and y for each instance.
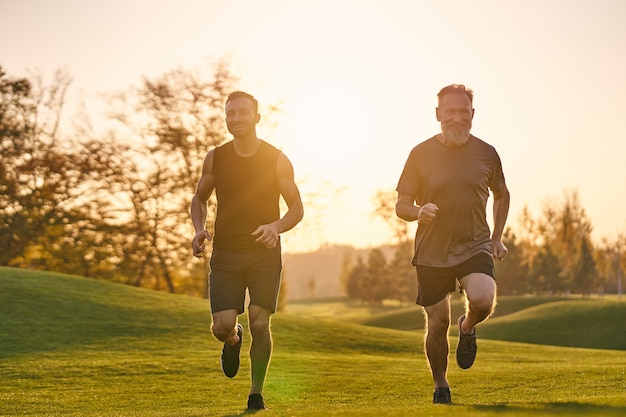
(538, 320)
(72, 346)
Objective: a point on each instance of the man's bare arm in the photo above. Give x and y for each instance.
(407, 210)
(501, 201)
(291, 194)
(199, 205)
(268, 233)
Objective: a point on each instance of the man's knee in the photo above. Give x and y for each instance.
(224, 324)
(438, 317)
(439, 324)
(480, 290)
(483, 301)
(259, 321)
(222, 332)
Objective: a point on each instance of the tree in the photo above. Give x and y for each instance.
(558, 248)
(512, 272)
(42, 180)
(375, 281)
(610, 259)
(402, 276)
(545, 272)
(368, 282)
(353, 283)
(565, 228)
(169, 123)
(586, 273)
(29, 195)
(110, 205)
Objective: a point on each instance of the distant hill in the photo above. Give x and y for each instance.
(317, 274)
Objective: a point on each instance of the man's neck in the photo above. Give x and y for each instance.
(247, 146)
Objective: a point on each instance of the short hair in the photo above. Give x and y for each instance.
(241, 94)
(456, 88)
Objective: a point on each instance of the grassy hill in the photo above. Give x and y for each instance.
(544, 320)
(71, 346)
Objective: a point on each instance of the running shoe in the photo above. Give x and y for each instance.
(255, 402)
(230, 355)
(442, 396)
(466, 349)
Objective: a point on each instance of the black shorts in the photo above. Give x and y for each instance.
(232, 271)
(433, 283)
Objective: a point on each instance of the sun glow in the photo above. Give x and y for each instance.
(326, 132)
(356, 83)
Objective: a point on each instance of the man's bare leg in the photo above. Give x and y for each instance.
(437, 345)
(261, 347)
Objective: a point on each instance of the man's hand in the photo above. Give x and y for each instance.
(197, 244)
(498, 249)
(427, 213)
(268, 234)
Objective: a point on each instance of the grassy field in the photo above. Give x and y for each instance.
(72, 346)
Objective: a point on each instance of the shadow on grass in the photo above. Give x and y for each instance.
(554, 409)
(244, 413)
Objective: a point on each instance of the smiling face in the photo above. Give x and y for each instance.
(455, 113)
(241, 118)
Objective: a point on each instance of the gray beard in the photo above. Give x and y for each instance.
(452, 138)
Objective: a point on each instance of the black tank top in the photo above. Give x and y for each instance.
(247, 194)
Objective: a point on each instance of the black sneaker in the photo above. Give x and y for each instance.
(255, 402)
(466, 349)
(442, 396)
(230, 355)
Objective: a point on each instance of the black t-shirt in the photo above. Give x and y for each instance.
(457, 180)
(247, 194)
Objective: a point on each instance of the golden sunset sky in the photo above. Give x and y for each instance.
(357, 83)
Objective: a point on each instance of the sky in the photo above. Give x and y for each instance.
(356, 81)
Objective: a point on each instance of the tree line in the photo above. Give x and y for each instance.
(114, 205)
(551, 253)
